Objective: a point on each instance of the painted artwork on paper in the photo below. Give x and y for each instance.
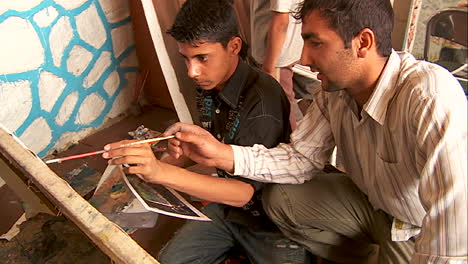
(163, 200)
(112, 194)
(117, 191)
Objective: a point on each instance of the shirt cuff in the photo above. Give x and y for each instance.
(241, 160)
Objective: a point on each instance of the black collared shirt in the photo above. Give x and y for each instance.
(252, 108)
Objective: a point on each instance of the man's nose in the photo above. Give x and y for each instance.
(193, 70)
(307, 60)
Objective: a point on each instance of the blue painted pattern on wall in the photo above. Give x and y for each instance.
(76, 84)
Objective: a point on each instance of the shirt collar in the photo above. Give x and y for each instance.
(231, 92)
(377, 105)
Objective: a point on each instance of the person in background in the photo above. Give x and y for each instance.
(276, 43)
(237, 104)
(401, 126)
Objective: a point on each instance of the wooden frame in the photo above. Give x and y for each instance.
(410, 33)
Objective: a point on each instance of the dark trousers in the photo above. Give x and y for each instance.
(210, 242)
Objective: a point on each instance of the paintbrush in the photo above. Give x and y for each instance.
(78, 156)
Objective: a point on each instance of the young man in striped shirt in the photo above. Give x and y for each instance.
(401, 126)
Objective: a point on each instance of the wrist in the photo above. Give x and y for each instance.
(269, 68)
(162, 175)
(225, 161)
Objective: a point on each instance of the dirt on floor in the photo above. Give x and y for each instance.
(52, 240)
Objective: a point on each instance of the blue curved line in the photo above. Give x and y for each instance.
(73, 83)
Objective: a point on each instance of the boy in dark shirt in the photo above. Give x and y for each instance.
(238, 105)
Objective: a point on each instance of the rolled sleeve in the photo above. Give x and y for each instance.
(242, 156)
(312, 144)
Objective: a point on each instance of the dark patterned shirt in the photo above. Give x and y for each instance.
(251, 109)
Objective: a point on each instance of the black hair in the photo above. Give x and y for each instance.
(213, 21)
(349, 17)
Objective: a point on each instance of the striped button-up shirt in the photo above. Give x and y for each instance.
(408, 152)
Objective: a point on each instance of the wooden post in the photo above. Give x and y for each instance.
(166, 65)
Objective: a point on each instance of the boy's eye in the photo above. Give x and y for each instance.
(202, 57)
(314, 43)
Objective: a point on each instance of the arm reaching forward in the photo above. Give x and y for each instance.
(228, 191)
(200, 146)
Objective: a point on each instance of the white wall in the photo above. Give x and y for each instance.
(67, 67)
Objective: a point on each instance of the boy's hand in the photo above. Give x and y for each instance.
(140, 156)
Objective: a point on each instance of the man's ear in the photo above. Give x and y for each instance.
(365, 42)
(235, 45)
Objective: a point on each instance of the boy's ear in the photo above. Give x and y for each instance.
(235, 45)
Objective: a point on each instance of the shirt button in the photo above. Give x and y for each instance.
(217, 111)
(218, 136)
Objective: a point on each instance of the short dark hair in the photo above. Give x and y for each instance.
(205, 20)
(349, 17)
